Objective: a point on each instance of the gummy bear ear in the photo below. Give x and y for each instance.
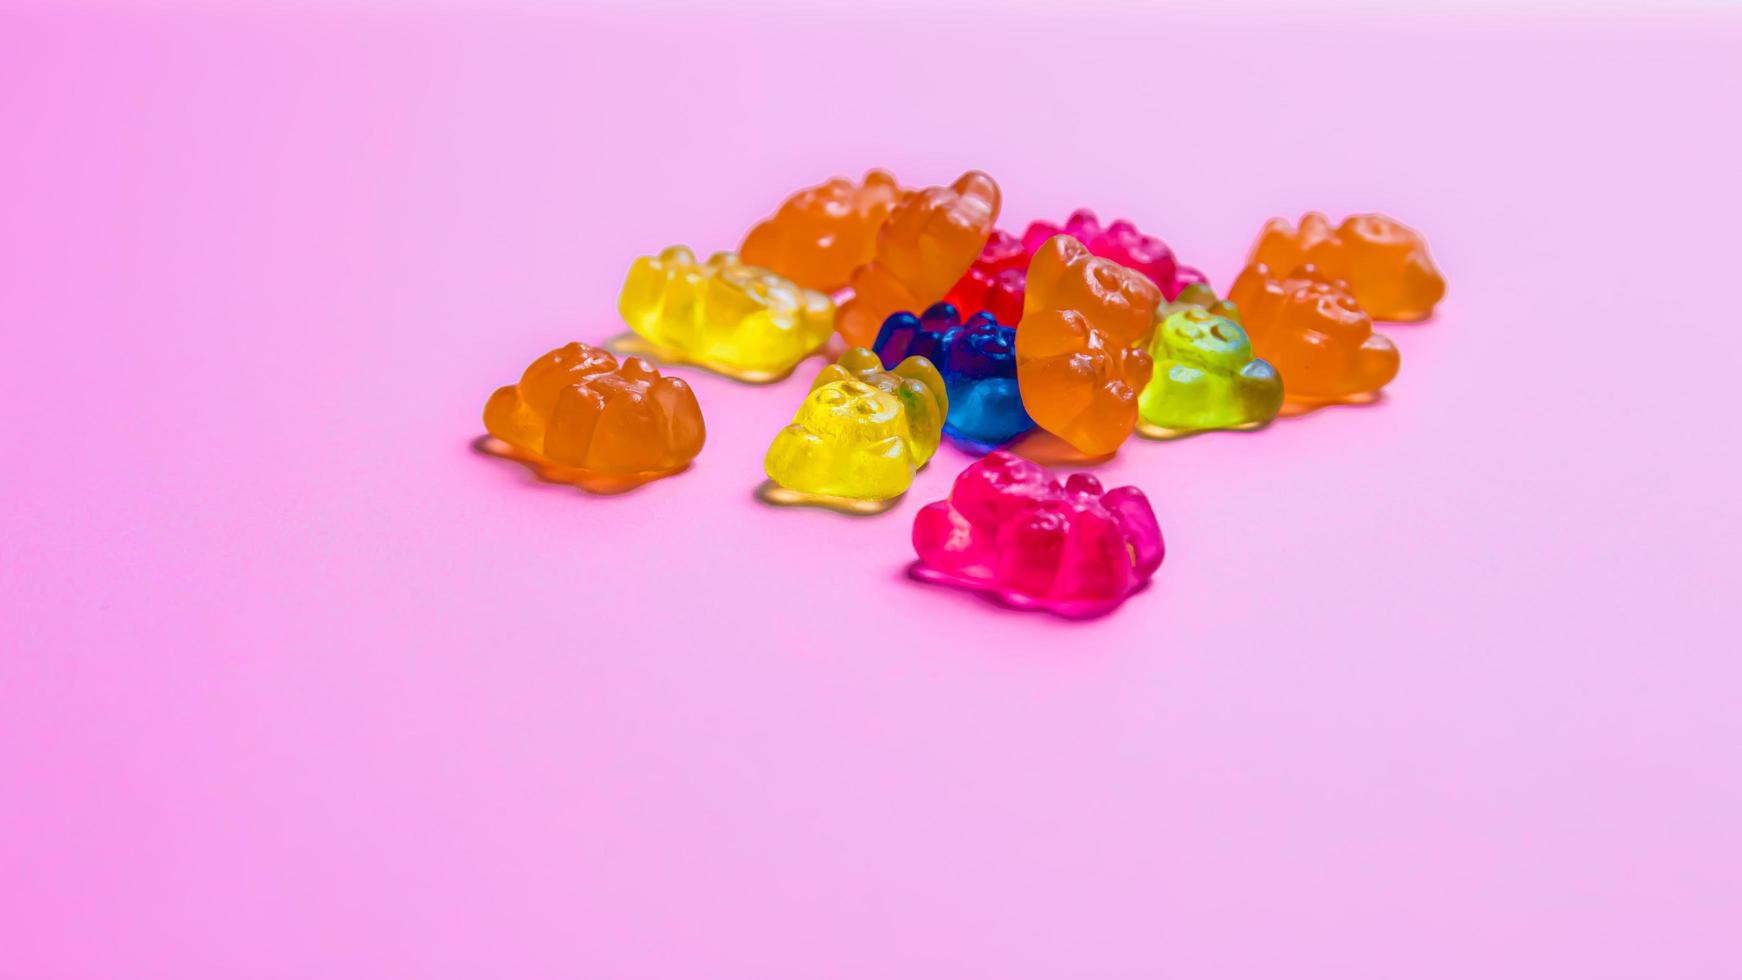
(1197, 293)
(1082, 224)
(978, 186)
(922, 370)
(832, 373)
(1136, 518)
(859, 361)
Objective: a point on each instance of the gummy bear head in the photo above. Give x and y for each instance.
(1392, 262)
(915, 384)
(739, 290)
(1194, 335)
(851, 411)
(1315, 333)
(1329, 300)
(1117, 301)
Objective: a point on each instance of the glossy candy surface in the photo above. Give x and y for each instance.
(978, 362)
(822, 233)
(995, 282)
(739, 320)
(1384, 262)
(862, 431)
(1205, 374)
(577, 407)
(1124, 244)
(1314, 332)
(1079, 353)
(929, 241)
(1009, 528)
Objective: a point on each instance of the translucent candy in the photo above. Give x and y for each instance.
(1205, 375)
(995, 283)
(861, 432)
(822, 233)
(576, 413)
(1313, 331)
(739, 320)
(1124, 244)
(1010, 529)
(930, 239)
(1077, 352)
(978, 362)
(997, 280)
(1384, 263)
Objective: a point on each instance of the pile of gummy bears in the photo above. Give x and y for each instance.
(954, 329)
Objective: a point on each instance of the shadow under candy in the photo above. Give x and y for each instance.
(1300, 408)
(545, 471)
(990, 594)
(769, 492)
(1041, 446)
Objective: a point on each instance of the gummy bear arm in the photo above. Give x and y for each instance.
(922, 370)
(685, 431)
(507, 417)
(1137, 520)
(943, 538)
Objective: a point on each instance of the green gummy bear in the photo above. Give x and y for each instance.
(1205, 375)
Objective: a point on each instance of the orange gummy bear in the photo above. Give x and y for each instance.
(929, 241)
(1384, 262)
(822, 233)
(1080, 360)
(1311, 329)
(578, 409)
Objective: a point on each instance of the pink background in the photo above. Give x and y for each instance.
(294, 684)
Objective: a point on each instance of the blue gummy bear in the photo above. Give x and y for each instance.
(978, 362)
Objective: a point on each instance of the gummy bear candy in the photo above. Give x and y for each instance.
(739, 320)
(995, 282)
(978, 363)
(1385, 263)
(930, 239)
(860, 434)
(1124, 244)
(1077, 354)
(576, 414)
(1009, 528)
(1205, 375)
(822, 233)
(1315, 333)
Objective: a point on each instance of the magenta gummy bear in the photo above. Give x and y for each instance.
(1124, 244)
(1012, 530)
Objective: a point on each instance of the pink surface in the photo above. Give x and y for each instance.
(294, 684)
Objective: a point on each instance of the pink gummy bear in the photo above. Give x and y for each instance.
(1009, 528)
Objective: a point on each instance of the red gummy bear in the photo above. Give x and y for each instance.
(995, 283)
(998, 279)
(1009, 528)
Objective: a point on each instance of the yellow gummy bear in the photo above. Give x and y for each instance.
(738, 320)
(862, 431)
